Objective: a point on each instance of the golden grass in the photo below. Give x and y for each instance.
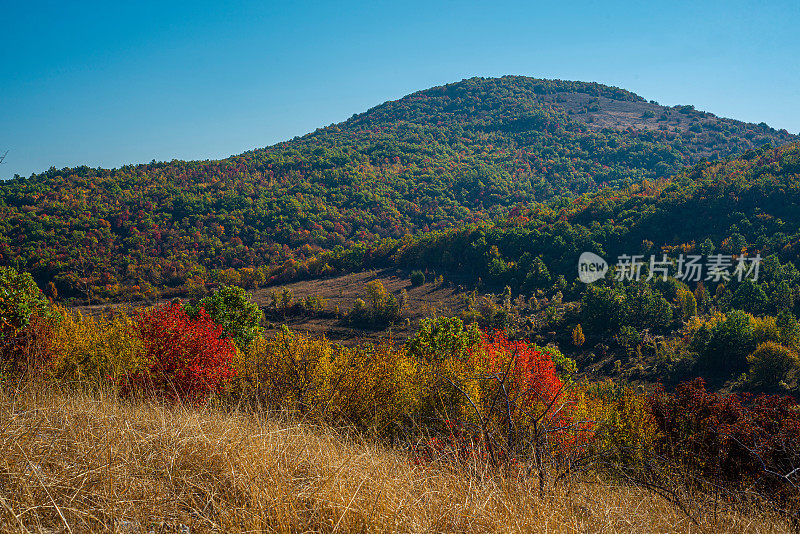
(92, 463)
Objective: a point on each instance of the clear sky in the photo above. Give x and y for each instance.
(111, 83)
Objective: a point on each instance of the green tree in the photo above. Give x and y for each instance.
(701, 296)
(789, 329)
(20, 302)
(728, 343)
(377, 307)
(782, 297)
(538, 276)
(282, 300)
(770, 364)
(442, 337)
(232, 309)
(629, 338)
(707, 247)
(687, 302)
(376, 296)
(646, 307)
(602, 309)
(750, 297)
(20, 299)
(314, 304)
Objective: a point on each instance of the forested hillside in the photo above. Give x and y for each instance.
(466, 153)
(749, 204)
(739, 330)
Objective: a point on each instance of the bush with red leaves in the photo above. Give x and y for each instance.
(512, 405)
(185, 358)
(532, 373)
(745, 442)
(540, 403)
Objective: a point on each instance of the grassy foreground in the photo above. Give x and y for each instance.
(74, 462)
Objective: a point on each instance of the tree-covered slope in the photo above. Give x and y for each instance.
(735, 331)
(437, 159)
(749, 204)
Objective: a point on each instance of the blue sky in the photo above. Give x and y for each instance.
(106, 84)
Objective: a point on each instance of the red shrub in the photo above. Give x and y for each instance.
(26, 351)
(186, 358)
(533, 371)
(744, 441)
(538, 403)
(532, 379)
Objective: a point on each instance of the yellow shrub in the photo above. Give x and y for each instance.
(370, 386)
(625, 428)
(455, 388)
(289, 370)
(771, 365)
(696, 322)
(373, 387)
(765, 329)
(93, 348)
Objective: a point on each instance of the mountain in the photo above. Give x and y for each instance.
(464, 153)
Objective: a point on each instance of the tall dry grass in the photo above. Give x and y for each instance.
(74, 462)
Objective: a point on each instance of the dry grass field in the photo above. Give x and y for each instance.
(74, 462)
(341, 291)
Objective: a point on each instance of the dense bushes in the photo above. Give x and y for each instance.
(639, 306)
(161, 349)
(723, 347)
(442, 337)
(448, 373)
(625, 427)
(745, 443)
(505, 402)
(760, 351)
(371, 386)
(376, 387)
(533, 410)
(90, 349)
(772, 366)
(287, 371)
(25, 322)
